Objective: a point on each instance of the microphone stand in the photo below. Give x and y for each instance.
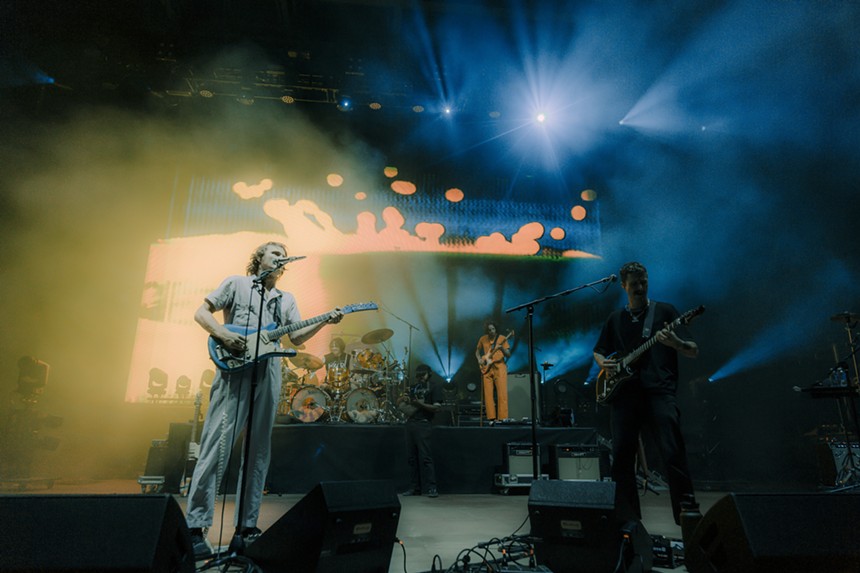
(236, 549)
(530, 309)
(409, 358)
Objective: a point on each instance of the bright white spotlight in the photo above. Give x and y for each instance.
(447, 111)
(541, 117)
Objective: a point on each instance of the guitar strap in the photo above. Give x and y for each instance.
(276, 310)
(649, 320)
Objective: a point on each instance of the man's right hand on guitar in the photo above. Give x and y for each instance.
(611, 366)
(233, 341)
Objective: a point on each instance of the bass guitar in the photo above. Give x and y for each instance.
(487, 359)
(607, 385)
(229, 361)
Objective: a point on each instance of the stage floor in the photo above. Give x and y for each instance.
(443, 526)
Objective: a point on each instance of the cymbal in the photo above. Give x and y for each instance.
(306, 361)
(845, 317)
(377, 336)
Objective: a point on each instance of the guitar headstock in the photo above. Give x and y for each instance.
(691, 314)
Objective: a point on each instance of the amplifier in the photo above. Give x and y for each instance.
(575, 462)
(518, 458)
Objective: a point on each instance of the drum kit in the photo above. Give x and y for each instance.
(360, 388)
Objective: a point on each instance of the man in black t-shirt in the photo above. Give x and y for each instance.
(420, 406)
(648, 397)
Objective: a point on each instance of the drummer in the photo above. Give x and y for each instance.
(336, 364)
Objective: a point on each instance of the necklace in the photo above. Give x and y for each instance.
(635, 315)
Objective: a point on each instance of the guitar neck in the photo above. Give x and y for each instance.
(633, 356)
(292, 327)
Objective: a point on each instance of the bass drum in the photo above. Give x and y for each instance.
(310, 404)
(361, 406)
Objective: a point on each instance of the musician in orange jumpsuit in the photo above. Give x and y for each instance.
(492, 353)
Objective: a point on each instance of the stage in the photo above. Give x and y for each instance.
(467, 458)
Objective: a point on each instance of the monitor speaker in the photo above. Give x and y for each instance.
(116, 533)
(770, 533)
(338, 526)
(576, 529)
(519, 396)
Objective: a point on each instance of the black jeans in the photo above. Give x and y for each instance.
(420, 454)
(629, 413)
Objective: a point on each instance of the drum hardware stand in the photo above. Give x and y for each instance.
(405, 384)
(236, 548)
(530, 308)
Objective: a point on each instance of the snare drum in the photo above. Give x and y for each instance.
(361, 406)
(310, 404)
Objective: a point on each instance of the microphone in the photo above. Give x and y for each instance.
(282, 262)
(610, 279)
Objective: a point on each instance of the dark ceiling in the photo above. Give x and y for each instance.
(301, 50)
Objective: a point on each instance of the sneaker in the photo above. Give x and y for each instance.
(250, 534)
(199, 544)
(433, 493)
(411, 492)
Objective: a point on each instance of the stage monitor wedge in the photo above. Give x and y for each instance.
(577, 529)
(93, 533)
(777, 533)
(338, 526)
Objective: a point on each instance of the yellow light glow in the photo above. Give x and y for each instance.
(334, 180)
(390, 172)
(557, 233)
(361, 196)
(588, 195)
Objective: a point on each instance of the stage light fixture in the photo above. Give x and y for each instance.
(288, 99)
(375, 105)
(344, 103)
(495, 114)
(418, 108)
(157, 382)
(183, 387)
(206, 93)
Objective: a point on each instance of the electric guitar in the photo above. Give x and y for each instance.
(229, 361)
(487, 359)
(607, 385)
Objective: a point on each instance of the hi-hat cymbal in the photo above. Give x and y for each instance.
(377, 336)
(306, 361)
(846, 317)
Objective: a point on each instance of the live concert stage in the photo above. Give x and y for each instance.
(467, 458)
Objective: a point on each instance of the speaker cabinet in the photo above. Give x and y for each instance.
(338, 526)
(576, 529)
(86, 533)
(777, 533)
(519, 396)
